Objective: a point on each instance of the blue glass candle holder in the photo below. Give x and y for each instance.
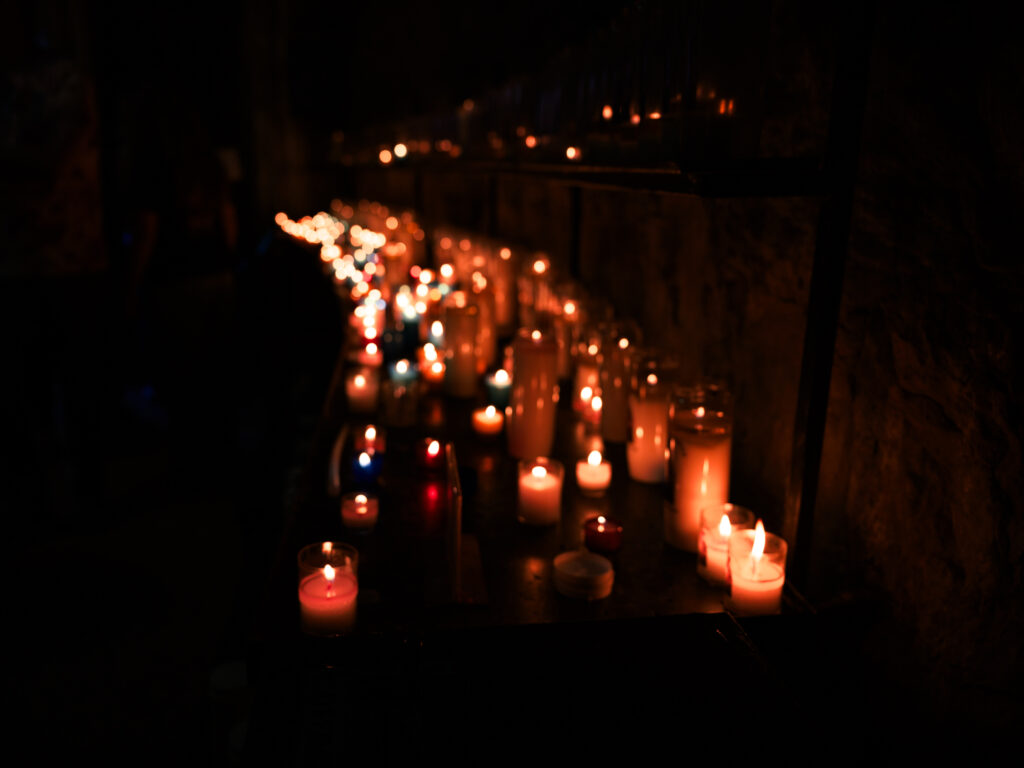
(366, 467)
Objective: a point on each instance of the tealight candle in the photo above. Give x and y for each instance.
(498, 385)
(540, 491)
(366, 467)
(370, 355)
(362, 390)
(430, 454)
(593, 475)
(488, 421)
(717, 524)
(433, 373)
(602, 534)
(757, 571)
(359, 511)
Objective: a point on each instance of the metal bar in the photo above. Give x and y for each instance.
(841, 156)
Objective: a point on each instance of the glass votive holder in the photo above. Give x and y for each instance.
(359, 511)
(498, 385)
(540, 491)
(717, 522)
(757, 571)
(362, 389)
(371, 438)
(430, 455)
(366, 467)
(328, 588)
(602, 534)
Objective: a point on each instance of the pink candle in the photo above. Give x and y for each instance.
(327, 600)
(593, 475)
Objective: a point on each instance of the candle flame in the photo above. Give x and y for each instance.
(607, 112)
(699, 412)
(724, 527)
(539, 266)
(538, 472)
(400, 151)
(594, 458)
(364, 459)
(757, 550)
(360, 380)
(447, 270)
(506, 254)
(600, 519)
(531, 141)
(434, 448)
(402, 366)
(371, 432)
(572, 153)
(570, 308)
(596, 402)
(327, 547)
(652, 379)
(361, 498)
(437, 367)
(430, 352)
(385, 156)
(490, 411)
(704, 478)
(329, 573)
(370, 333)
(371, 349)
(593, 349)
(501, 376)
(586, 393)
(437, 328)
(535, 335)
(623, 343)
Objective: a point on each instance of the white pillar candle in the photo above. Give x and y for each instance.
(702, 447)
(647, 451)
(593, 475)
(533, 400)
(540, 491)
(359, 510)
(757, 571)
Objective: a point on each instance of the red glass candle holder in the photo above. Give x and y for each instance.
(602, 534)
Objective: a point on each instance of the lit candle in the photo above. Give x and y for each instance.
(498, 385)
(701, 453)
(327, 600)
(402, 372)
(602, 534)
(534, 396)
(366, 467)
(370, 355)
(436, 334)
(647, 450)
(594, 474)
(615, 374)
(430, 454)
(717, 524)
(371, 439)
(359, 511)
(540, 491)
(461, 322)
(757, 571)
(488, 421)
(362, 389)
(433, 373)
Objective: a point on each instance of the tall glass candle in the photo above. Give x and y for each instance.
(647, 450)
(615, 382)
(461, 321)
(534, 397)
(362, 389)
(328, 588)
(701, 454)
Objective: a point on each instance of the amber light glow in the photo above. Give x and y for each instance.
(530, 141)
(573, 153)
(724, 527)
(501, 376)
(594, 458)
(434, 448)
(385, 156)
(607, 112)
(401, 150)
(327, 547)
(539, 472)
